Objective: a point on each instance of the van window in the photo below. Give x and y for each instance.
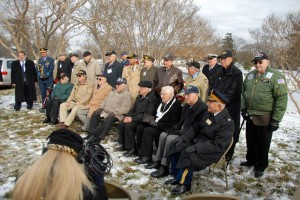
(9, 64)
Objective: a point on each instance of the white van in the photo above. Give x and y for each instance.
(5, 69)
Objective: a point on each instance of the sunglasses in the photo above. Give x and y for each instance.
(257, 61)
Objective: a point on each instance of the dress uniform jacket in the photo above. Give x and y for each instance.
(45, 69)
(211, 137)
(132, 75)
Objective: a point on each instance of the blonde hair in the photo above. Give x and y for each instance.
(56, 175)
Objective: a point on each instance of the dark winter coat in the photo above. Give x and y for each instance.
(113, 72)
(210, 137)
(230, 84)
(212, 74)
(146, 105)
(64, 67)
(189, 116)
(17, 77)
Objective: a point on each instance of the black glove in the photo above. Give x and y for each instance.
(189, 150)
(274, 125)
(98, 111)
(245, 115)
(110, 114)
(178, 141)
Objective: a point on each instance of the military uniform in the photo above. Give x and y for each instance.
(264, 97)
(45, 67)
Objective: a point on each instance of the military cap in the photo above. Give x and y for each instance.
(150, 58)
(147, 84)
(260, 56)
(81, 72)
(211, 56)
(121, 80)
(168, 56)
(216, 96)
(43, 50)
(225, 54)
(190, 89)
(111, 52)
(132, 56)
(124, 53)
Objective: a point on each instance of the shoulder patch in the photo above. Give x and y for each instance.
(205, 80)
(281, 81)
(250, 76)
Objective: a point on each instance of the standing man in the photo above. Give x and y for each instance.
(91, 66)
(265, 101)
(211, 70)
(77, 66)
(23, 78)
(132, 74)
(113, 69)
(230, 83)
(45, 69)
(64, 65)
(168, 75)
(124, 61)
(197, 79)
(149, 70)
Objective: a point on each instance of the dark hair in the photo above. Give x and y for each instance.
(23, 52)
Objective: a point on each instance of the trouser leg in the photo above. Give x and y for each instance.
(149, 134)
(71, 116)
(82, 114)
(49, 104)
(130, 135)
(27, 99)
(161, 146)
(166, 159)
(251, 134)
(55, 109)
(184, 176)
(121, 132)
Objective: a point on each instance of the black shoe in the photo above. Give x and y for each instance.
(47, 120)
(139, 159)
(144, 160)
(129, 153)
(54, 121)
(258, 174)
(171, 182)
(180, 189)
(247, 164)
(154, 165)
(161, 172)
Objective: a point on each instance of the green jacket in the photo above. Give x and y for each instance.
(62, 91)
(264, 94)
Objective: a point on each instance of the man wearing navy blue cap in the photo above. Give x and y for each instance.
(124, 61)
(202, 144)
(113, 69)
(192, 112)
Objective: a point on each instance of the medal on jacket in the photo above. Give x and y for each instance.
(208, 121)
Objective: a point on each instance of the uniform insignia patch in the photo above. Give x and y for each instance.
(269, 75)
(208, 122)
(250, 77)
(205, 80)
(281, 81)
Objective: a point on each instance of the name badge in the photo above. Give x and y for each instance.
(109, 71)
(144, 74)
(208, 122)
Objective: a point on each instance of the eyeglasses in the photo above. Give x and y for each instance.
(257, 61)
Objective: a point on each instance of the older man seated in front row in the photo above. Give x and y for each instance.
(201, 145)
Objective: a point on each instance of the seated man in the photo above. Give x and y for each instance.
(145, 104)
(201, 145)
(79, 97)
(167, 115)
(100, 92)
(60, 94)
(192, 112)
(112, 109)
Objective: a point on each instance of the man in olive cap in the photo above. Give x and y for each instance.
(149, 70)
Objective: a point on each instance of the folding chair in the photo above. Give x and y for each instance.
(210, 197)
(222, 163)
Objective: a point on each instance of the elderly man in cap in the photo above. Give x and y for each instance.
(111, 110)
(100, 92)
(45, 67)
(60, 94)
(202, 144)
(113, 69)
(145, 104)
(149, 70)
(192, 112)
(64, 65)
(91, 66)
(168, 75)
(197, 79)
(229, 82)
(211, 70)
(264, 103)
(79, 97)
(77, 66)
(132, 75)
(124, 61)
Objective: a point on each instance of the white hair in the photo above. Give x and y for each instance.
(168, 89)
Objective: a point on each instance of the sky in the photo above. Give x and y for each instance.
(238, 16)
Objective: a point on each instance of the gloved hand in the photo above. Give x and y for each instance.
(274, 125)
(178, 141)
(189, 150)
(110, 114)
(244, 114)
(99, 111)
